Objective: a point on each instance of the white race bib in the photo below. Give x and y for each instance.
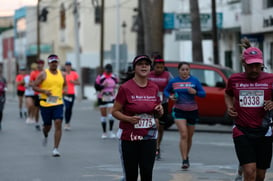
(107, 98)
(251, 98)
(52, 99)
(146, 121)
(67, 98)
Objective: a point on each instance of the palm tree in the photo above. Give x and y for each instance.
(152, 18)
(196, 34)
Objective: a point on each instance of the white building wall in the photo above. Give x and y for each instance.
(182, 50)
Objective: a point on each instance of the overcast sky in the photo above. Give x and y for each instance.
(7, 7)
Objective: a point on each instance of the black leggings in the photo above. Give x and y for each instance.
(138, 154)
(68, 103)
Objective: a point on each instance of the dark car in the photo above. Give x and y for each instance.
(212, 108)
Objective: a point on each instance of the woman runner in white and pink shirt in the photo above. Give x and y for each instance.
(136, 105)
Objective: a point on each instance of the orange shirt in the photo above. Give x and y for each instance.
(70, 86)
(20, 78)
(33, 75)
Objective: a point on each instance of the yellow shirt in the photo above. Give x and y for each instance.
(54, 83)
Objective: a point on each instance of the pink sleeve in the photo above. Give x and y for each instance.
(98, 79)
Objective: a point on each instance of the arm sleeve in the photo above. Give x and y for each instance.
(168, 89)
(98, 79)
(200, 91)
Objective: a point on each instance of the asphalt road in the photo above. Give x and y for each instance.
(86, 157)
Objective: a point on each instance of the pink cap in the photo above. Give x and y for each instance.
(253, 55)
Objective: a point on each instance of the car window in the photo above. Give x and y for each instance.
(208, 78)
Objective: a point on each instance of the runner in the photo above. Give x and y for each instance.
(136, 105)
(29, 97)
(249, 102)
(72, 79)
(21, 91)
(33, 75)
(3, 88)
(185, 111)
(161, 77)
(106, 84)
(51, 83)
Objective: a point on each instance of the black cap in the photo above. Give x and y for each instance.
(141, 57)
(68, 63)
(108, 68)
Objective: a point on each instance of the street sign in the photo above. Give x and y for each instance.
(183, 21)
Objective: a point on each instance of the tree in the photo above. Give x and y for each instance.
(196, 34)
(152, 18)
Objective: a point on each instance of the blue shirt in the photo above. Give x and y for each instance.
(184, 100)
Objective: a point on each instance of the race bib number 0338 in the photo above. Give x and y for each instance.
(251, 98)
(146, 121)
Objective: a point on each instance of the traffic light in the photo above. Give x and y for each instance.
(43, 15)
(97, 14)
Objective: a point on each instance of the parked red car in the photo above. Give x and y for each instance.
(212, 108)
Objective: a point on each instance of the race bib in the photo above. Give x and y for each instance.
(146, 121)
(52, 99)
(251, 98)
(107, 97)
(67, 98)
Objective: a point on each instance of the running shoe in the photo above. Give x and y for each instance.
(30, 121)
(38, 128)
(185, 164)
(44, 141)
(67, 127)
(104, 136)
(157, 154)
(55, 153)
(112, 135)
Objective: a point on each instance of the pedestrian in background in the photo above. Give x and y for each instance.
(51, 85)
(160, 77)
(72, 79)
(21, 91)
(185, 111)
(248, 99)
(33, 75)
(136, 105)
(3, 88)
(105, 85)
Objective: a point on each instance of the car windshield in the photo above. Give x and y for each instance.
(227, 72)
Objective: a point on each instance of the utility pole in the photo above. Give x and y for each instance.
(102, 35)
(117, 38)
(38, 29)
(214, 33)
(77, 49)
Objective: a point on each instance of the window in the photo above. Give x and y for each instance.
(207, 77)
(246, 7)
(268, 3)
